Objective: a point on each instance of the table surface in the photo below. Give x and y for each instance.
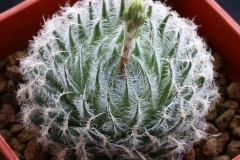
(232, 7)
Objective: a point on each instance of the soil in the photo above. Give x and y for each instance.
(223, 142)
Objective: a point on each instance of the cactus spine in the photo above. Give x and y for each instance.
(85, 101)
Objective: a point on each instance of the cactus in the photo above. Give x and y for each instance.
(106, 81)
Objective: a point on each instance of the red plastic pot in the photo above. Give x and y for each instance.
(5, 151)
(20, 23)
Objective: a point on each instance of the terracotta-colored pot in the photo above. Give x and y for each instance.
(20, 23)
(6, 152)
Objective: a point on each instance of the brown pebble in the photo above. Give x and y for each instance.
(13, 73)
(7, 110)
(190, 155)
(211, 129)
(25, 136)
(3, 82)
(215, 145)
(16, 145)
(233, 148)
(11, 118)
(199, 155)
(19, 147)
(16, 128)
(35, 152)
(10, 86)
(12, 142)
(235, 126)
(220, 79)
(223, 157)
(218, 62)
(224, 120)
(14, 103)
(7, 97)
(220, 101)
(211, 115)
(6, 134)
(233, 91)
(210, 148)
(3, 121)
(13, 59)
(200, 143)
(231, 104)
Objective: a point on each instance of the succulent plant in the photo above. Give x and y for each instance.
(107, 81)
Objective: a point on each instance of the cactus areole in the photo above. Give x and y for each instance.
(105, 81)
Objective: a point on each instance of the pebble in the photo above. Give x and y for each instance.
(13, 73)
(10, 86)
(233, 148)
(235, 126)
(212, 114)
(25, 136)
(199, 155)
(220, 79)
(13, 59)
(11, 118)
(6, 97)
(3, 82)
(215, 145)
(190, 155)
(231, 105)
(233, 91)
(200, 143)
(211, 148)
(35, 152)
(15, 103)
(218, 62)
(16, 145)
(3, 121)
(211, 129)
(16, 128)
(6, 134)
(223, 157)
(224, 120)
(7, 110)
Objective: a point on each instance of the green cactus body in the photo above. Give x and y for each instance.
(83, 106)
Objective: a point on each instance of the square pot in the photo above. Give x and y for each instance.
(20, 23)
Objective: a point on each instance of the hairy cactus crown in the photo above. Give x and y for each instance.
(87, 97)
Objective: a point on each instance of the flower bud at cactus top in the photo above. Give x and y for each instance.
(84, 106)
(134, 15)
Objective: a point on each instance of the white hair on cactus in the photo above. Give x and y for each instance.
(84, 104)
